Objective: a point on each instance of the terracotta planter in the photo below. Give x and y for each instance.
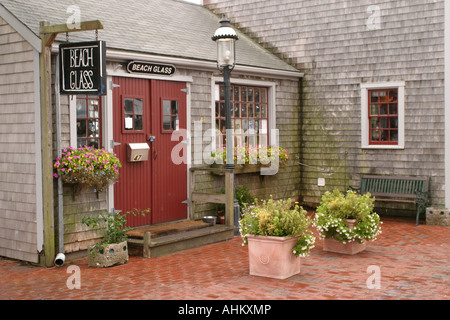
(333, 245)
(272, 257)
(113, 254)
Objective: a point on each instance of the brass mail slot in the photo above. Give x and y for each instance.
(137, 152)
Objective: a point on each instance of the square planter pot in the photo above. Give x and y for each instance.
(333, 245)
(272, 257)
(113, 254)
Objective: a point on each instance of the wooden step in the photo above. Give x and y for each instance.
(155, 247)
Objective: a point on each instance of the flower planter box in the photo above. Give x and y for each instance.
(272, 256)
(113, 254)
(333, 245)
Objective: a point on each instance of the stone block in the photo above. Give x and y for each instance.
(111, 255)
(438, 217)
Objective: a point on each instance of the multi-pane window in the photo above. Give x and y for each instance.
(170, 115)
(89, 111)
(249, 114)
(383, 116)
(133, 114)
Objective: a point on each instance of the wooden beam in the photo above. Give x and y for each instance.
(49, 33)
(208, 197)
(63, 28)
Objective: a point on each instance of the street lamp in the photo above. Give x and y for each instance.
(225, 37)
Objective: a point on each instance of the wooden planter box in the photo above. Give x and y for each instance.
(272, 257)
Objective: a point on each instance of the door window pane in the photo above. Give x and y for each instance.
(133, 114)
(170, 120)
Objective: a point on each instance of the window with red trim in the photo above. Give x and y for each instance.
(133, 114)
(89, 121)
(170, 115)
(383, 116)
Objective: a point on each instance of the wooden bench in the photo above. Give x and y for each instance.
(397, 189)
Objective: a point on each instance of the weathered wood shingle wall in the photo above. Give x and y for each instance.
(339, 45)
(18, 220)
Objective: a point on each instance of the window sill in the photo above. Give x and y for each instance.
(383, 147)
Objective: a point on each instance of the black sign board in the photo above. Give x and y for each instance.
(150, 68)
(83, 68)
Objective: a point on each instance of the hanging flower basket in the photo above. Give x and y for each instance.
(87, 166)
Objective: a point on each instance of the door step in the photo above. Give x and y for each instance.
(149, 247)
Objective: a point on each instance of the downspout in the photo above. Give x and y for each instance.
(60, 257)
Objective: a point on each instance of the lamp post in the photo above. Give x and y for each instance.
(225, 37)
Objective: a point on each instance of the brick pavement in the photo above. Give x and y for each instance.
(413, 263)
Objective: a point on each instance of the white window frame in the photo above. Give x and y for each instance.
(271, 86)
(365, 87)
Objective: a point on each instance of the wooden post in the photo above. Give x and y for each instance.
(229, 197)
(191, 193)
(46, 149)
(48, 34)
(147, 240)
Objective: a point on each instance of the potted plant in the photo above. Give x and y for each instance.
(277, 235)
(347, 221)
(87, 166)
(113, 249)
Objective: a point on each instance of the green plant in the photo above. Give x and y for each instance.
(251, 155)
(115, 226)
(87, 166)
(279, 219)
(244, 197)
(336, 207)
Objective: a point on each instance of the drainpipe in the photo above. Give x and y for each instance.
(60, 257)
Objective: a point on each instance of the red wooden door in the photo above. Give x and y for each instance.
(143, 109)
(169, 178)
(132, 123)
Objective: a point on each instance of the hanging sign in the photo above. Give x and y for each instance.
(83, 68)
(150, 68)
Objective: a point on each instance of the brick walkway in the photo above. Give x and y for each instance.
(413, 263)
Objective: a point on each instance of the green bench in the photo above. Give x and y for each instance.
(397, 189)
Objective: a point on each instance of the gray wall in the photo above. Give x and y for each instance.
(338, 45)
(18, 160)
